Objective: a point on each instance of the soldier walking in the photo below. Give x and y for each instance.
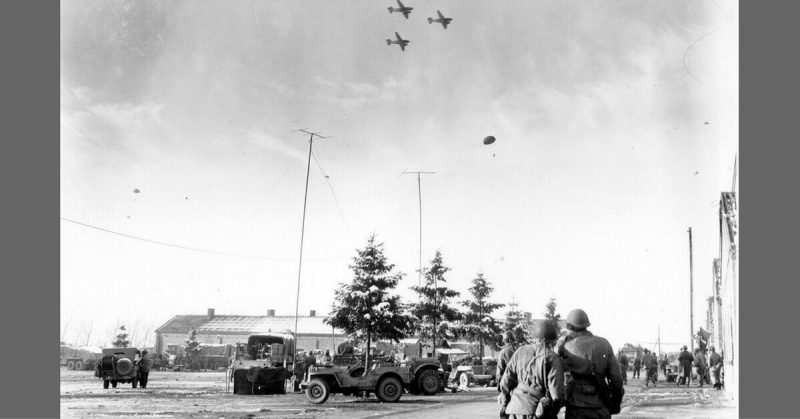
(700, 363)
(662, 363)
(685, 361)
(593, 382)
(651, 368)
(502, 361)
(715, 363)
(637, 366)
(144, 368)
(623, 366)
(533, 383)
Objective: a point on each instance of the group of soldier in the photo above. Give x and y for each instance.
(652, 363)
(578, 372)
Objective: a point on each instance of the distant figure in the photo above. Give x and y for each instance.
(637, 366)
(685, 360)
(700, 363)
(594, 384)
(326, 359)
(533, 383)
(623, 366)
(662, 364)
(299, 370)
(715, 363)
(502, 362)
(651, 367)
(144, 368)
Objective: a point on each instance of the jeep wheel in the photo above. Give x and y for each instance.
(317, 391)
(463, 380)
(389, 390)
(428, 382)
(105, 383)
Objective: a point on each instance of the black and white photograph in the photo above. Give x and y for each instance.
(405, 208)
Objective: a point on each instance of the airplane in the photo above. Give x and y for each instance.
(443, 20)
(402, 9)
(400, 41)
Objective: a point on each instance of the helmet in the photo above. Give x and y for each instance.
(711, 348)
(545, 330)
(508, 337)
(684, 348)
(144, 352)
(646, 350)
(578, 319)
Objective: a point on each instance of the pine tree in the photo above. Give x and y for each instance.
(436, 316)
(365, 308)
(514, 323)
(550, 314)
(192, 348)
(478, 323)
(121, 340)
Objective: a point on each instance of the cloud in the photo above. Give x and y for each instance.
(270, 143)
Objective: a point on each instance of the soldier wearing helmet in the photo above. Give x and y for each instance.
(715, 363)
(593, 379)
(650, 363)
(685, 360)
(502, 360)
(533, 383)
(144, 368)
(623, 366)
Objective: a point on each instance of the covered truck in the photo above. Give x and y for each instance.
(263, 364)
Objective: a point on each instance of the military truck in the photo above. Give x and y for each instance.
(263, 365)
(118, 365)
(212, 356)
(78, 358)
(387, 379)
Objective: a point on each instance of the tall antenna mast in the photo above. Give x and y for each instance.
(419, 190)
(302, 234)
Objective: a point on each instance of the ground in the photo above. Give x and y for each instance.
(203, 395)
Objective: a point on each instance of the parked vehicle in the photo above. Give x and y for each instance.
(78, 358)
(118, 365)
(263, 365)
(457, 366)
(388, 380)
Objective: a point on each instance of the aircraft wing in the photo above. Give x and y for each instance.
(402, 46)
(440, 14)
(405, 13)
(400, 3)
(398, 37)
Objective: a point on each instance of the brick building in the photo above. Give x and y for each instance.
(312, 333)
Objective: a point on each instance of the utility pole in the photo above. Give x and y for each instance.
(419, 190)
(691, 292)
(659, 340)
(302, 236)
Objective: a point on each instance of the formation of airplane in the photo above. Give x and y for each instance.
(443, 20)
(402, 9)
(400, 41)
(405, 10)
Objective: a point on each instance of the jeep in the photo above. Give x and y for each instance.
(388, 380)
(118, 365)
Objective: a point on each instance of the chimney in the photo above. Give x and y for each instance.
(271, 313)
(312, 313)
(527, 316)
(210, 313)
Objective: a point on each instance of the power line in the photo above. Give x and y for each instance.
(179, 246)
(335, 198)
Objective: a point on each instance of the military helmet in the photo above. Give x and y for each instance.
(144, 352)
(545, 330)
(578, 319)
(646, 350)
(684, 348)
(711, 348)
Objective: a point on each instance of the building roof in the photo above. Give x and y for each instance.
(234, 324)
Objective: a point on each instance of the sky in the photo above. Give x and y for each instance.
(183, 173)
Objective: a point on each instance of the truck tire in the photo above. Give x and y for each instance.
(105, 383)
(389, 390)
(70, 365)
(428, 382)
(317, 391)
(79, 365)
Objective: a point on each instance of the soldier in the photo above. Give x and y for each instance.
(533, 383)
(651, 368)
(593, 383)
(715, 363)
(144, 368)
(299, 370)
(700, 363)
(637, 366)
(662, 363)
(685, 361)
(623, 366)
(502, 361)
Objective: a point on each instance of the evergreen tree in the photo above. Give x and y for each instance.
(515, 323)
(364, 308)
(550, 314)
(478, 324)
(121, 340)
(433, 310)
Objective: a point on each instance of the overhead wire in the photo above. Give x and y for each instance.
(180, 246)
(335, 198)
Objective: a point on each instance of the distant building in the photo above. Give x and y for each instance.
(312, 333)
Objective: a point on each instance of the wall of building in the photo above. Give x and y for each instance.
(304, 341)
